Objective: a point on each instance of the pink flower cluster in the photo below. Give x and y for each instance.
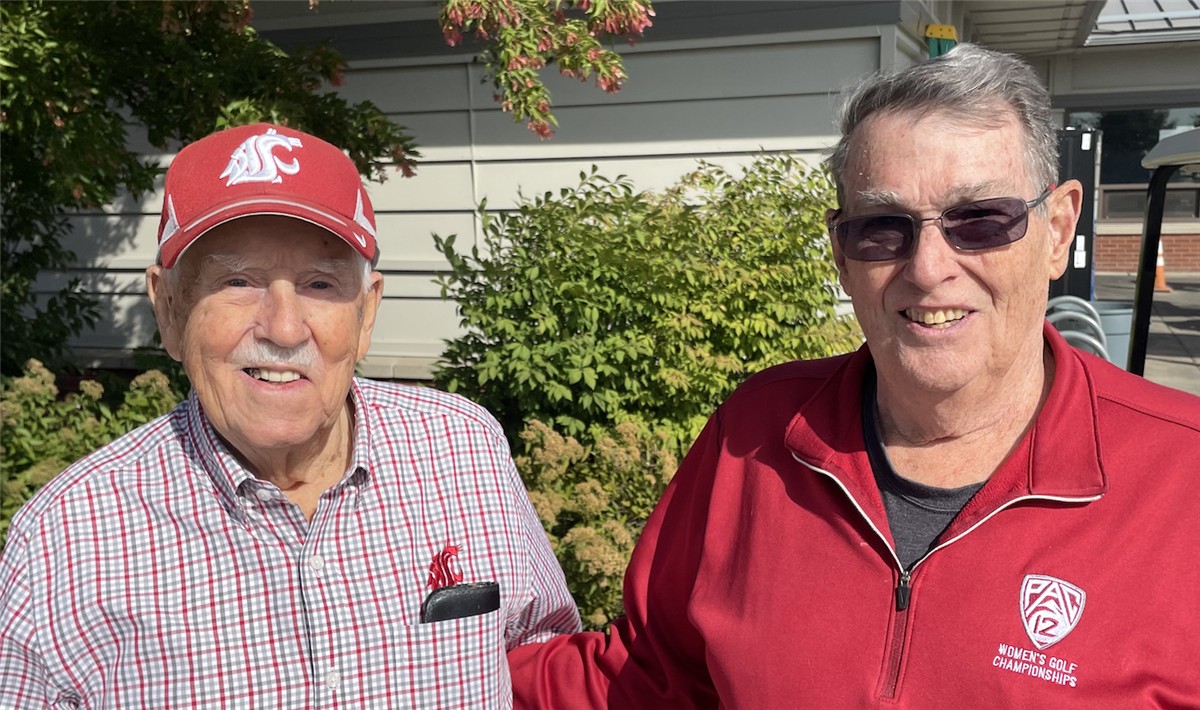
(626, 19)
(486, 16)
(611, 83)
(523, 62)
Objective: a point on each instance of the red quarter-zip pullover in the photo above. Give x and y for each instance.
(766, 577)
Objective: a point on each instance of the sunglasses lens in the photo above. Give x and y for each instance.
(875, 237)
(986, 224)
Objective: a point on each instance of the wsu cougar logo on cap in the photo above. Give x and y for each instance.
(1050, 608)
(254, 162)
(255, 170)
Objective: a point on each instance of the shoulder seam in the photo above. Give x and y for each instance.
(792, 370)
(1194, 426)
(436, 407)
(94, 464)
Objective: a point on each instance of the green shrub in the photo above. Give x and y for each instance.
(593, 501)
(603, 301)
(40, 434)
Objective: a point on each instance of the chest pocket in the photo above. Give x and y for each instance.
(459, 663)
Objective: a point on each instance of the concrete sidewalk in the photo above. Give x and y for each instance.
(1173, 352)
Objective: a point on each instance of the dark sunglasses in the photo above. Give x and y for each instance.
(983, 224)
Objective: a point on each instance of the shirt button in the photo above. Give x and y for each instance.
(264, 494)
(316, 562)
(333, 679)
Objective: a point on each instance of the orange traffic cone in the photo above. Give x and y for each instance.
(1160, 276)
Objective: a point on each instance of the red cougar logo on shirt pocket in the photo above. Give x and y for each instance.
(442, 571)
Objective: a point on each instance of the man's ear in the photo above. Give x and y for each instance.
(170, 326)
(1063, 207)
(838, 257)
(371, 300)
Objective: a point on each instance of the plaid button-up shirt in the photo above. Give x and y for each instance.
(159, 573)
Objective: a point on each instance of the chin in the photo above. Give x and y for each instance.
(279, 437)
(936, 371)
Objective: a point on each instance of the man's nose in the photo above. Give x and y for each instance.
(932, 259)
(283, 319)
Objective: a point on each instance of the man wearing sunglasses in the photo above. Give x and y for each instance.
(966, 512)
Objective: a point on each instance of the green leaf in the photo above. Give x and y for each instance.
(658, 303)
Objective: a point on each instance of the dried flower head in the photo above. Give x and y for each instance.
(548, 505)
(41, 472)
(91, 389)
(597, 554)
(573, 450)
(668, 464)
(597, 618)
(589, 499)
(10, 412)
(151, 381)
(620, 534)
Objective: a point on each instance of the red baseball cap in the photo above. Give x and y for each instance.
(263, 170)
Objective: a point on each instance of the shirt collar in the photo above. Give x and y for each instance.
(228, 474)
(361, 467)
(1059, 456)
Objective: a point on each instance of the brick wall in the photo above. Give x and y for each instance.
(1119, 252)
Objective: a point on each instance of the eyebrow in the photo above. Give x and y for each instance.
(332, 266)
(956, 196)
(229, 262)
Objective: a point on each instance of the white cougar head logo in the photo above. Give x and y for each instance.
(253, 161)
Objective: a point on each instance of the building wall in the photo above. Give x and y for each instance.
(719, 81)
(1120, 252)
(1124, 77)
(1159, 75)
(720, 99)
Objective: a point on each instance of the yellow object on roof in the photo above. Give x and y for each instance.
(941, 39)
(942, 32)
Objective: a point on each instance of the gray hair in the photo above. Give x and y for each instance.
(972, 83)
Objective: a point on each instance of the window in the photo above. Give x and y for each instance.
(1127, 137)
(1128, 202)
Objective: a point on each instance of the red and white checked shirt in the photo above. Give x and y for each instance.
(159, 573)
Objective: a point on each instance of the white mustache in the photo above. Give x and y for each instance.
(260, 353)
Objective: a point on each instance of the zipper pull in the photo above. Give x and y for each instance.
(903, 591)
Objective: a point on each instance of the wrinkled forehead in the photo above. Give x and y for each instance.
(913, 158)
(268, 242)
(236, 263)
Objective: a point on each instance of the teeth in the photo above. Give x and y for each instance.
(935, 318)
(272, 375)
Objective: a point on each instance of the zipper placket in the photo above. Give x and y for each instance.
(903, 592)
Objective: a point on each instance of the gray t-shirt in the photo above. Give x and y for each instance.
(917, 514)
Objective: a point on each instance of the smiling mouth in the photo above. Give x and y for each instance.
(273, 375)
(943, 318)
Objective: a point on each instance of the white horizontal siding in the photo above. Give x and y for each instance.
(809, 67)
(721, 103)
(102, 241)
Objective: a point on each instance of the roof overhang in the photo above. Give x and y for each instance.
(1030, 26)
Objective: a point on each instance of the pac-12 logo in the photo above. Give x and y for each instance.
(1050, 608)
(253, 161)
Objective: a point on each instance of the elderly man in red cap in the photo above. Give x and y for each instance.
(289, 536)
